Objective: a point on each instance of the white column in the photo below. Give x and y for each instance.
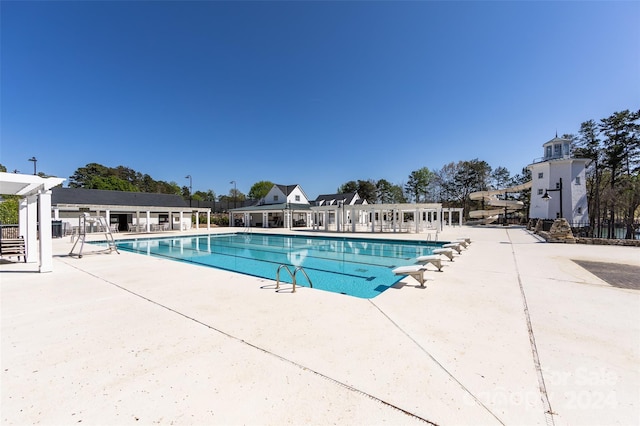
(23, 217)
(27, 226)
(181, 219)
(107, 215)
(265, 219)
(393, 212)
(208, 220)
(147, 225)
(56, 214)
(44, 233)
(460, 216)
(449, 221)
(373, 220)
(354, 219)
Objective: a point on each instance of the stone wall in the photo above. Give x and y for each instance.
(560, 232)
(606, 242)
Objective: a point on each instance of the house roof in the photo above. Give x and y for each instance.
(327, 198)
(115, 198)
(286, 189)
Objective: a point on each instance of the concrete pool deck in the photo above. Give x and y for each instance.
(123, 339)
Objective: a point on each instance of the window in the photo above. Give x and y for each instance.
(577, 180)
(540, 191)
(548, 152)
(557, 150)
(275, 198)
(297, 198)
(540, 175)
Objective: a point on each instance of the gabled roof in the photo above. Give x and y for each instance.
(286, 189)
(347, 198)
(115, 198)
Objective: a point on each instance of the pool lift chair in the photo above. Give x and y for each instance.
(87, 223)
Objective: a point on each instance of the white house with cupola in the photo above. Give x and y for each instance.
(559, 183)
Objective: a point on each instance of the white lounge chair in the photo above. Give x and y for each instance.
(456, 246)
(465, 239)
(433, 259)
(444, 251)
(415, 271)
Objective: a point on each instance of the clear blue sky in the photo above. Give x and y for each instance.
(314, 93)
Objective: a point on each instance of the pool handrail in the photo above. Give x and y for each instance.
(293, 276)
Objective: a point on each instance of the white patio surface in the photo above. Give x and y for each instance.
(123, 339)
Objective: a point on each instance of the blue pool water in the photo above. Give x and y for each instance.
(353, 266)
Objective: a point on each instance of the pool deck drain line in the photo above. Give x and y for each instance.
(280, 357)
(442, 367)
(548, 412)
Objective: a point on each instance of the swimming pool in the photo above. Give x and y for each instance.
(355, 266)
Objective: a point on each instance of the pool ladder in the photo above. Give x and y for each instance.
(293, 276)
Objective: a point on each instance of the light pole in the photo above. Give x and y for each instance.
(547, 197)
(190, 187)
(35, 160)
(235, 192)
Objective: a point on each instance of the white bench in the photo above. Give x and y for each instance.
(415, 271)
(433, 259)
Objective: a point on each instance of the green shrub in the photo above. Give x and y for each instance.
(9, 210)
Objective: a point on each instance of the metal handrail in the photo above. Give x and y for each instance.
(278, 275)
(293, 276)
(300, 269)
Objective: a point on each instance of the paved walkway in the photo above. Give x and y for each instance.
(512, 332)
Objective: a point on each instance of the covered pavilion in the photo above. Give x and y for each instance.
(396, 217)
(34, 207)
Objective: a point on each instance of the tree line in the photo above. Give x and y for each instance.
(613, 176)
(449, 185)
